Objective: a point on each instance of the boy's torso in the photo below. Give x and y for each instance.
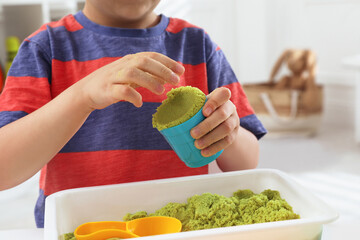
(116, 144)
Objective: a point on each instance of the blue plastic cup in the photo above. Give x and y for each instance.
(182, 143)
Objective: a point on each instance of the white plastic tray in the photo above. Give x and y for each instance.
(67, 209)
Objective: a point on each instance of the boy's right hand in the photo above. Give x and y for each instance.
(117, 81)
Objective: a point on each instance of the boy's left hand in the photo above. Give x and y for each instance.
(221, 125)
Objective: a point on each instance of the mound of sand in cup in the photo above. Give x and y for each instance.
(181, 104)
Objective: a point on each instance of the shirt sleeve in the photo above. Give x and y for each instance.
(27, 86)
(220, 74)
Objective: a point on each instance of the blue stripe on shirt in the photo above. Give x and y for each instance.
(121, 130)
(7, 117)
(82, 46)
(252, 123)
(119, 126)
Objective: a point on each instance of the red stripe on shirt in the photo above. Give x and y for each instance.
(68, 22)
(176, 25)
(72, 71)
(25, 94)
(110, 167)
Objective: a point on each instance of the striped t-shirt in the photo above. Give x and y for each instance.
(117, 144)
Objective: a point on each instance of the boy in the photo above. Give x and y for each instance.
(81, 92)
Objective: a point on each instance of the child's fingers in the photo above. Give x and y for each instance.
(216, 99)
(219, 116)
(149, 70)
(220, 132)
(135, 77)
(127, 93)
(174, 66)
(159, 70)
(146, 69)
(219, 145)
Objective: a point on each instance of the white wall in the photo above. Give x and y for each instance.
(328, 27)
(237, 26)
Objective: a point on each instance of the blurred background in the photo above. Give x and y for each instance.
(323, 154)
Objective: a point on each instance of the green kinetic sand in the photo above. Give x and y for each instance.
(181, 104)
(213, 211)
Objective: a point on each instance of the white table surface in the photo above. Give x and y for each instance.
(22, 234)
